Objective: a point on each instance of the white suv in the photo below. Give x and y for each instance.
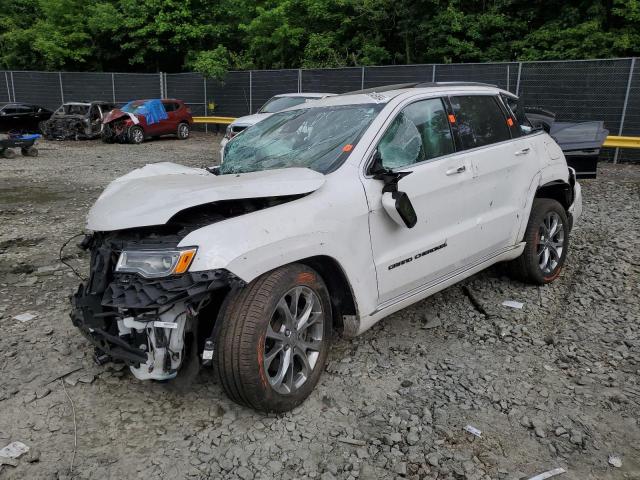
(275, 104)
(329, 216)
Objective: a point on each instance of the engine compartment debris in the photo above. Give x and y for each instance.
(76, 121)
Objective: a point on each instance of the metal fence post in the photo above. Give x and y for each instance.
(299, 80)
(362, 79)
(161, 85)
(508, 72)
(166, 86)
(250, 92)
(61, 89)
(206, 106)
(624, 106)
(13, 87)
(113, 87)
(433, 73)
(518, 81)
(6, 81)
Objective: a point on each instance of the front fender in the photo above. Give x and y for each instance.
(332, 221)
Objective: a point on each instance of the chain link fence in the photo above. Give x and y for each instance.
(607, 90)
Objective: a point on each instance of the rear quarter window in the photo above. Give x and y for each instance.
(479, 120)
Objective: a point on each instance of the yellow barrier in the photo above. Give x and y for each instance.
(222, 120)
(622, 142)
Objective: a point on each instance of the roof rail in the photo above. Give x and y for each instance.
(399, 86)
(383, 88)
(454, 84)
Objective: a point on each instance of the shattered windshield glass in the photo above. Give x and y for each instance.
(316, 138)
(73, 109)
(277, 104)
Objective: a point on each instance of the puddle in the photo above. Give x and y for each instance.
(28, 194)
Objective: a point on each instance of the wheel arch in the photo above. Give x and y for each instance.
(341, 294)
(558, 190)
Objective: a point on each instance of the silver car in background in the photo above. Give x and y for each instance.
(275, 104)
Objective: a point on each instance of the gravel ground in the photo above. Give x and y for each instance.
(555, 384)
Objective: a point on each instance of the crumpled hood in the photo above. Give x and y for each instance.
(151, 195)
(114, 114)
(249, 120)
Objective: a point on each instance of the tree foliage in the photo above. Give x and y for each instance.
(212, 36)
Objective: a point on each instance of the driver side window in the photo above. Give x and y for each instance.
(420, 132)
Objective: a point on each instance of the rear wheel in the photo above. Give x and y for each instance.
(30, 152)
(136, 135)
(547, 241)
(8, 153)
(183, 131)
(273, 339)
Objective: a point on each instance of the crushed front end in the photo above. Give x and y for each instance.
(65, 127)
(141, 305)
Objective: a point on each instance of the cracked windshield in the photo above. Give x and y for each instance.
(316, 138)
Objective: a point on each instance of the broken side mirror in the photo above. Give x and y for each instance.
(397, 204)
(399, 207)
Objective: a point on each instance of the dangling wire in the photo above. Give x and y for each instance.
(62, 260)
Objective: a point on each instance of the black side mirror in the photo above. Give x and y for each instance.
(403, 208)
(397, 204)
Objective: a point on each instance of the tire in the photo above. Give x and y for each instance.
(253, 339)
(136, 135)
(9, 153)
(183, 131)
(107, 135)
(30, 152)
(531, 266)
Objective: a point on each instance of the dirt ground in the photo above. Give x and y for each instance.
(555, 384)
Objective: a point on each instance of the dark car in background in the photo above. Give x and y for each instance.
(141, 119)
(22, 117)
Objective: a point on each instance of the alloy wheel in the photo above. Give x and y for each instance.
(293, 340)
(550, 243)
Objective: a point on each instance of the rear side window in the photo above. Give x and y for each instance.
(169, 106)
(480, 120)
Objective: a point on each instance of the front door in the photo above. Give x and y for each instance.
(419, 140)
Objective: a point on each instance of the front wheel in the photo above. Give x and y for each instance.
(183, 131)
(547, 241)
(136, 135)
(274, 338)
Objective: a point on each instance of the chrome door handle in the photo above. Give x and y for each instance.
(524, 151)
(453, 171)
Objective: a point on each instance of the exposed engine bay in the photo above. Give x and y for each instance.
(154, 325)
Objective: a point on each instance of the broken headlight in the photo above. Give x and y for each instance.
(155, 263)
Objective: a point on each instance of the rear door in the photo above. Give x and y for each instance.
(501, 168)
(170, 124)
(419, 140)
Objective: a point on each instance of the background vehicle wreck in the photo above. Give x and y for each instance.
(140, 119)
(76, 120)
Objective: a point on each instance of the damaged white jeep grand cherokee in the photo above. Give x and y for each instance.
(326, 216)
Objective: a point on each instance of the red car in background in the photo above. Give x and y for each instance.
(142, 119)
